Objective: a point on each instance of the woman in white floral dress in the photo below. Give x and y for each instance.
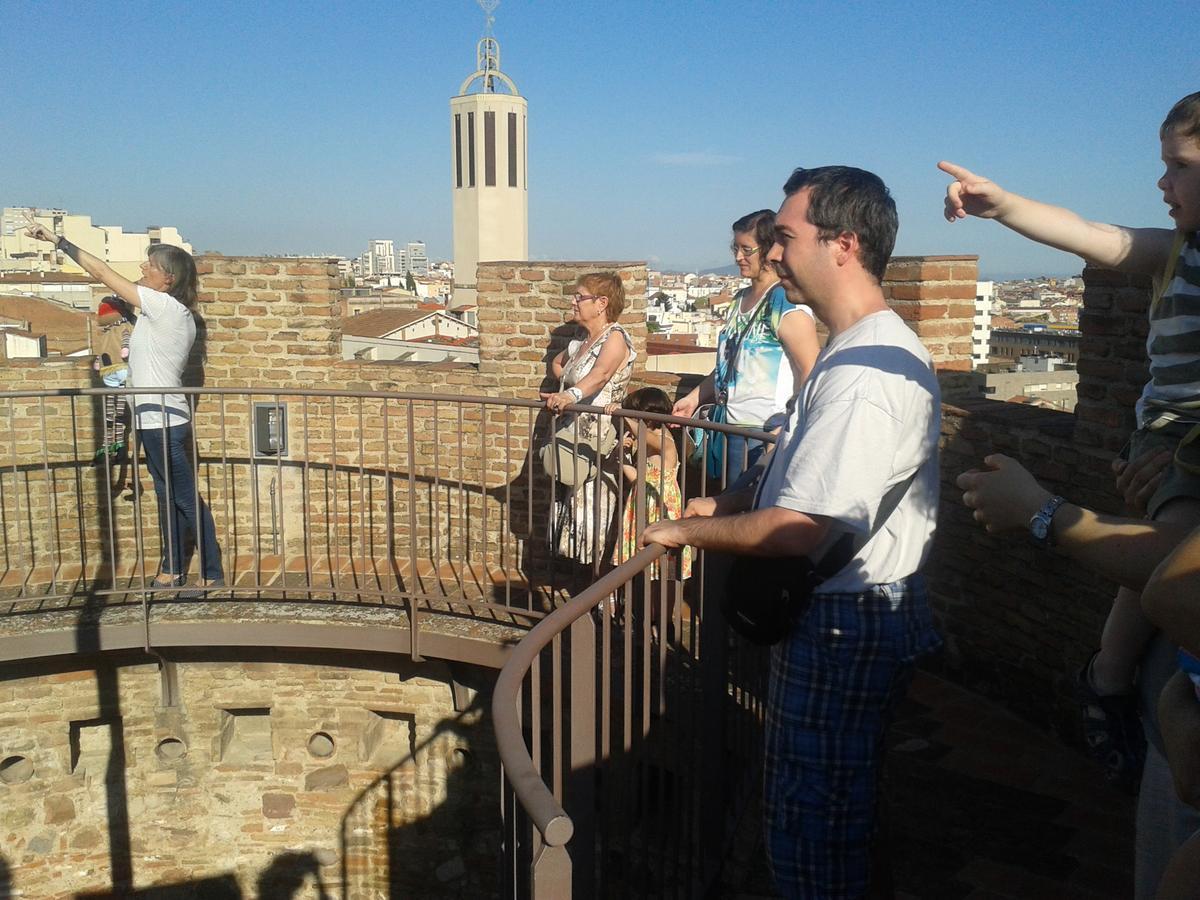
(594, 369)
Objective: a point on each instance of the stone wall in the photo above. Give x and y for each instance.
(266, 778)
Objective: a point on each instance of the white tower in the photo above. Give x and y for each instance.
(487, 168)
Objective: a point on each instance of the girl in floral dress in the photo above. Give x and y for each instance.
(662, 474)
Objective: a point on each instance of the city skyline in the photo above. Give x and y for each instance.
(651, 126)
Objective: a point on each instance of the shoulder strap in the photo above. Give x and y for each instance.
(761, 309)
(839, 555)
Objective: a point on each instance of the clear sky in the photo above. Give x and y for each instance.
(298, 127)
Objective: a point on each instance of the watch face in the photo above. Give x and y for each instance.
(1039, 528)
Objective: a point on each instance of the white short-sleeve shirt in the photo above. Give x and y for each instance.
(868, 416)
(158, 353)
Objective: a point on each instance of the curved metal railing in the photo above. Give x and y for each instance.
(624, 776)
(534, 795)
(619, 717)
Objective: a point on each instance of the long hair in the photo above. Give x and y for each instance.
(181, 267)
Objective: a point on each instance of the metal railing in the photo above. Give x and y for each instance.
(627, 721)
(422, 501)
(629, 724)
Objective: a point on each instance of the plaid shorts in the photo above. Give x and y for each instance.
(834, 683)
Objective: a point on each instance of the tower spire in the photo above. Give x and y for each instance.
(488, 167)
(487, 53)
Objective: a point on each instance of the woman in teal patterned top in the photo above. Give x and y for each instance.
(764, 353)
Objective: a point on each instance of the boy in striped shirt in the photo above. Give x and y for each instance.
(1168, 413)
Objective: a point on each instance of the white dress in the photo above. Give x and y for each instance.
(584, 520)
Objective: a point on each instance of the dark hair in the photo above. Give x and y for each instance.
(844, 199)
(760, 223)
(181, 267)
(649, 399)
(1183, 119)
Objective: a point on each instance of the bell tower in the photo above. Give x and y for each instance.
(488, 167)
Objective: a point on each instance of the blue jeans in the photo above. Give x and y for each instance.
(180, 509)
(740, 454)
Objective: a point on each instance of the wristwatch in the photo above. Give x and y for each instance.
(1039, 525)
(576, 393)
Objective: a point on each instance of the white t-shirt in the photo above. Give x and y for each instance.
(158, 352)
(868, 416)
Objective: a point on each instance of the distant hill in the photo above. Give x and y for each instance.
(729, 270)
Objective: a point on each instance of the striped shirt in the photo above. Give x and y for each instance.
(1173, 344)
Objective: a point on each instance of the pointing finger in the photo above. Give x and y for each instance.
(956, 171)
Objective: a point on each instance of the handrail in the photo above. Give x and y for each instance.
(723, 427)
(545, 812)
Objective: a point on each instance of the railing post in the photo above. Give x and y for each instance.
(715, 777)
(550, 876)
(580, 787)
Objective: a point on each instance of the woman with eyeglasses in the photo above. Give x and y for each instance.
(165, 298)
(595, 370)
(765, 351)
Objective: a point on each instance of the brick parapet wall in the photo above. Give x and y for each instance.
(935, 295)
(1018, 621)
(1113, 366)
(525, 318)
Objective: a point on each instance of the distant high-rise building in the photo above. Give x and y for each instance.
(413, 259)
(381, 258)
(981, 326)
(487, 170)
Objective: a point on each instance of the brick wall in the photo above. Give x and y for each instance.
(266, 774)
(935, 295)
(1113, 366)
(1019, 622)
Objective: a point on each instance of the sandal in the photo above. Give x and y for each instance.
(1112, 731)
(159, 584)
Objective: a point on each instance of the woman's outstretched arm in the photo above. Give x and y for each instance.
(94, 266)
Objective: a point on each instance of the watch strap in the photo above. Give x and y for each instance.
(1045, 517)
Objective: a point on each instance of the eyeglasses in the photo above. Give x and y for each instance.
(747, 252)
(579, 298)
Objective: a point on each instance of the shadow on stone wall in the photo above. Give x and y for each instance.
(398, 841)
(288, 875)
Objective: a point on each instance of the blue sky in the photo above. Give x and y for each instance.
(272, 127)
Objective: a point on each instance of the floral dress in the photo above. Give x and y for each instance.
(670, 499)
(583, 519)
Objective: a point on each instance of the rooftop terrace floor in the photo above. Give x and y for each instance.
(983, 806)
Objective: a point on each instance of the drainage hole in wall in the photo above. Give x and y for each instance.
(16, 770)
(321, 745)
(170, 749)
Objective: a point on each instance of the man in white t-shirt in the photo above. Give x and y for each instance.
(866, 420)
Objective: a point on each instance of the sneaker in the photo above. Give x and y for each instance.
(1112, 731)
(201, 591)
